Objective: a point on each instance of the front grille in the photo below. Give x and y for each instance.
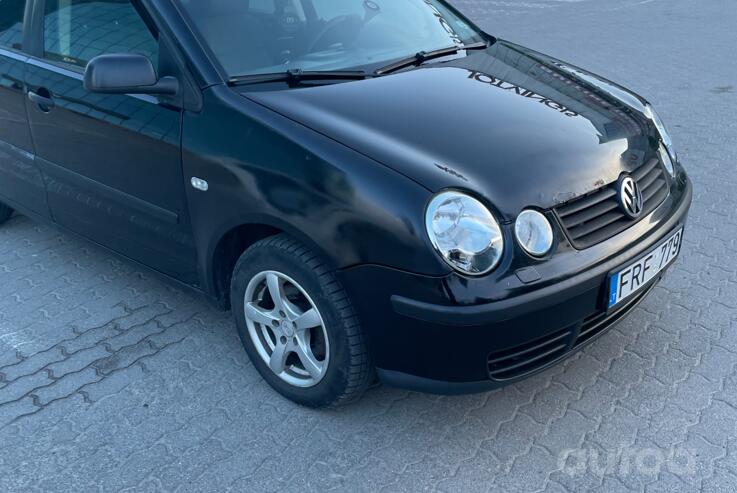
(526, 358)
(530, 357)
(596, 217)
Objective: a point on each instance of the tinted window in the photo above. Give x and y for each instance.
(265, 6)
(76, 31)
(265, 36)
(11, 22)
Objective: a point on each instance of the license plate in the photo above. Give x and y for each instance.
(637, 275)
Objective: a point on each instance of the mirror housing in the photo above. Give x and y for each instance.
(126, 74)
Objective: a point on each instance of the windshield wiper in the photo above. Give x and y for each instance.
(424, 56)
(295, 77)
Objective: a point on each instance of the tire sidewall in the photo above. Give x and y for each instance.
(335, 381)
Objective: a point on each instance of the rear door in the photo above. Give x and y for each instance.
(112, 162)
(21, 183)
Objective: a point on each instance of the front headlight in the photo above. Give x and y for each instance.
(667, 161)
(534, 233)
(464, 232)
(662, 130)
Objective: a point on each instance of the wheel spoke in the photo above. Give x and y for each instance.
(278, 360)
(293, 312)
(308, 320)
(282, 333)
(259, 315)
(275, 290)
(308, 360)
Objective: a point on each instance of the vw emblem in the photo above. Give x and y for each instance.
(630, 197)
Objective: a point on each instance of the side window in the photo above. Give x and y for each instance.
(76, 31)
(329, 9)
(11, 23)
(262, 6)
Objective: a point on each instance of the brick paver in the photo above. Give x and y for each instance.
(112, 380)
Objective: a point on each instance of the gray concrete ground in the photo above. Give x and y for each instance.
(110, 380)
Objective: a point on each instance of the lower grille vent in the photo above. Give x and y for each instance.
(523, 359)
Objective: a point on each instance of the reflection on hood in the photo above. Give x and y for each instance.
(512, 125)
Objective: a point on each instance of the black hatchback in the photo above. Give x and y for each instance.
(374, 187)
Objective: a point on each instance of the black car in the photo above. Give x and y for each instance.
(374, 187)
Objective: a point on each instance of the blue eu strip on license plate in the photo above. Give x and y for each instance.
(630, 280)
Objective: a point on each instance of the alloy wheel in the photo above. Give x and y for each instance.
(287, 329)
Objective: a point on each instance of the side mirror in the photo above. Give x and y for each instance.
(126, 74)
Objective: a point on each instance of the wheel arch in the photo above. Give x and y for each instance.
(233, 241)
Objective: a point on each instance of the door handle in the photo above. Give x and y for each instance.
(45, 103)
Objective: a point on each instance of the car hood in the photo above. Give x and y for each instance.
(515, 127)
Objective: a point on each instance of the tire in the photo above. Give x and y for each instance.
(5, 213)
(338, 356)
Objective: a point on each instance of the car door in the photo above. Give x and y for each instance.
(21, 182)
(112, 163)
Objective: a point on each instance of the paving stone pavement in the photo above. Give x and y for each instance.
(112, 380)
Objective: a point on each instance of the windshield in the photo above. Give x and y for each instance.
(271, 36)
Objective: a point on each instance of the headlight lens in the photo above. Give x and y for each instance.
(662, 130)
(534, 233)
(667, 161)
(464, 232)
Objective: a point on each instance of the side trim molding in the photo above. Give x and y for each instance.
(113, 194)
(15, 151)
(17, 56)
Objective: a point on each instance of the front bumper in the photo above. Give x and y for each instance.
(448, 348)
(524, 360)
